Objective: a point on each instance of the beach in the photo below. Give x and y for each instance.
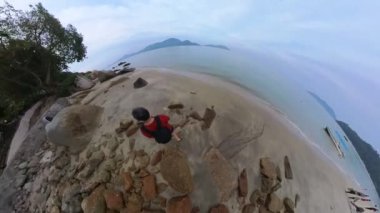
(317, 180)
(222, 161)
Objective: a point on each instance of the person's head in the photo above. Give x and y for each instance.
(140, 114)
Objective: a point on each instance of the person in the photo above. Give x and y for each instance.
(157, 127)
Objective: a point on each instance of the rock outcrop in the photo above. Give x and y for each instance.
(222, 172)
(176, 171)
(73, 126)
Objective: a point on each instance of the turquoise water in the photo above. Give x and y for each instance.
(271, 82)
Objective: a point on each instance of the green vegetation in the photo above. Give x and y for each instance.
(367, 153)
(35, 50)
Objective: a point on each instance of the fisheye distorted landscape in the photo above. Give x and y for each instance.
(185, 107)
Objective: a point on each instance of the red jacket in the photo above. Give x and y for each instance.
(153, 126)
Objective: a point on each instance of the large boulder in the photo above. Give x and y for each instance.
(222, 173)
(74, 126)
(175, 170)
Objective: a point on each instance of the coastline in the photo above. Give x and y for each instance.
(280, 137)
(244, 123)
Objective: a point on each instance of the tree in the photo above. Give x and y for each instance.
(35, 51)
(55, 45)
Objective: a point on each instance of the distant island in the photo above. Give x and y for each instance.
(171, 42)
(367, 153)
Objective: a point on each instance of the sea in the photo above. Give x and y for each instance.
(273, 83)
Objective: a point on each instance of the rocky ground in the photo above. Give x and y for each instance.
(95, 160)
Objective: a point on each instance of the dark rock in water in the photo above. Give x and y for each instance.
(127, 64)
(267, 168)
(179, 204)
(220, 208)
(243, 184)
(249, 208)
(274, 203)
(289, 205)
(288, 168)
(176, 106)
(121, 63)
(208, 118)
(139, 83)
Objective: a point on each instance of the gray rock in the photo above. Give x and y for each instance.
(289, 205)
(62, 162)
(109, 165)
(249, 208)
(93, 163)
(97, 157)
(34, 162)
(47, 157)
(73, 206)
(55, 175)
(288, 168)
(71, 199)
(274, 203)
(139, 83)
(267, 168)
(132, 142)
(22, 172)
(73, 126)
(23, 165)
(142, 161)
(28, 186)
(222, 172)
(112, 145)
(20, 180)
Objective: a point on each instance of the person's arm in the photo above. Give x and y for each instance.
(176, 137)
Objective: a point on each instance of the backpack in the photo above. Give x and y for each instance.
(162, 134)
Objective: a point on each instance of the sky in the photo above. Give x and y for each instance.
(334, 44)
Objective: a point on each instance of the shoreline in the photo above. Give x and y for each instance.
(249, 94)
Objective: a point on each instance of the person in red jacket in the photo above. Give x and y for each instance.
(157, 127)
